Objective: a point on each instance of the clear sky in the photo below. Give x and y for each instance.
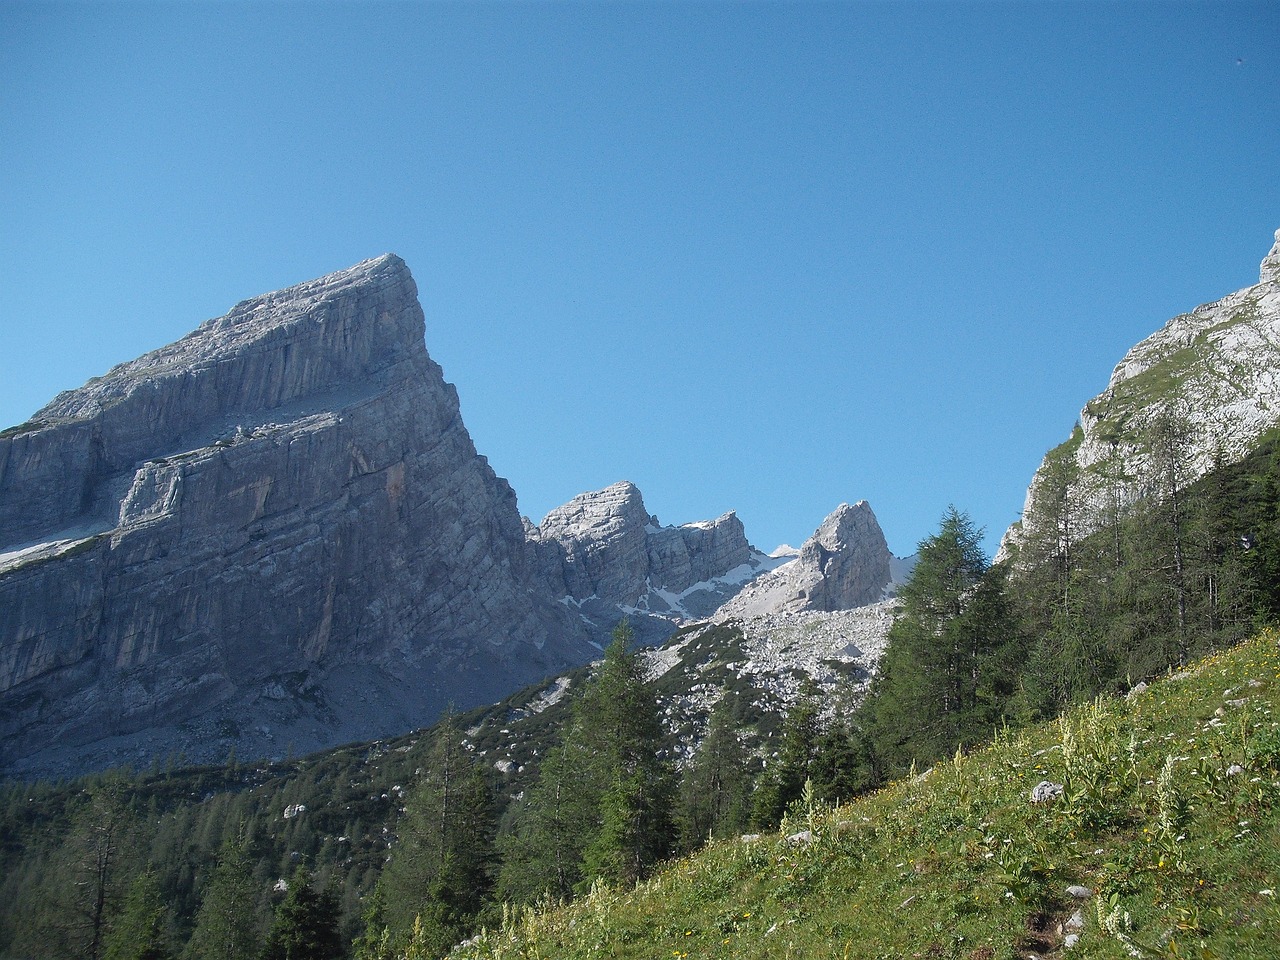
(757, 256)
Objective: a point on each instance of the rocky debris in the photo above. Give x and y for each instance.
(776, 654)
(611, 559)
(772, 656)
(844, 565)
(1216, 370)
(277, 523)
(1046, 792)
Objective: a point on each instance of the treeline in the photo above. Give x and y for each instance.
(1190, 568)
(410, 860)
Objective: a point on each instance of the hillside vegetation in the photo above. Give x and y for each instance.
(402, 849)
(1164, 842)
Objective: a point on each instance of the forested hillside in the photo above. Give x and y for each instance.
(382, 850)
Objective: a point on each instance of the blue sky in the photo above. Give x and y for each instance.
(766, 257)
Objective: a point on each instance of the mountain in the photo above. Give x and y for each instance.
(1195, 394)
(276, 535)
(607, 557)
(844, 565)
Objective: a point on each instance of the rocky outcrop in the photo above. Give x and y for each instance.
(610, 559)
(273, 534)
(845, 564)
(1196, 393)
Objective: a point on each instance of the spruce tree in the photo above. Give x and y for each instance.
(89, 880)
(949, 670)
(715, 790)
(306, 924)
(784, 779)
(621, 740)
(601, 806)
(226, 926)
(440, 868)
(140, 932)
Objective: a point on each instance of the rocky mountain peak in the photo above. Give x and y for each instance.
(274, 531)
(614, 559)
(844, 565)
(617, 509)
(1270, 269)
(1214, 371)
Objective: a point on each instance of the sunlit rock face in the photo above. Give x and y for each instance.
(609, 559)
(1214, 373)
(844, 565)
(274, 534)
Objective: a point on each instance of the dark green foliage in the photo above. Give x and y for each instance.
(715, 790)
(141, 932)
(784, 778)
(306, 924)
(85, 885)
(226, 925)
(441, 868)
(1193, 568)
(601, 806)
(949, 671)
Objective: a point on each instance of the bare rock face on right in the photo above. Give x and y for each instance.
(1195, 394)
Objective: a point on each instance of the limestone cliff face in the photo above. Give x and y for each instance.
(610, 558)
(844, 565)
(275, 532)
(1214, 373)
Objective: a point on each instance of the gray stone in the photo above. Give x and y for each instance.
(1269, 272)
(278, 521)
(1216, 368)
(844, 565)
(1046, 792)
(610, 558)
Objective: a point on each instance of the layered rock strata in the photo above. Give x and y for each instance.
(272, 534)
(608, 558)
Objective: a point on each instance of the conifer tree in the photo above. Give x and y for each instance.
(92, 866)
(784, 780)
(306, 924)
(140, 932)
(601, 806)
(715, 790)
(226, 926)
(440, 869)
(949, 670)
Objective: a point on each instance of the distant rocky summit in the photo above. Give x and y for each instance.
(845, 564)
(275, 535)
(1196, 393)
(607, 558)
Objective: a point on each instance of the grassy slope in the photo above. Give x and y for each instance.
(1182, 850)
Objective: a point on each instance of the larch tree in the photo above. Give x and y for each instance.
(949, 669)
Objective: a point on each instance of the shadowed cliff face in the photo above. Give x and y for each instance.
(273, 532)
